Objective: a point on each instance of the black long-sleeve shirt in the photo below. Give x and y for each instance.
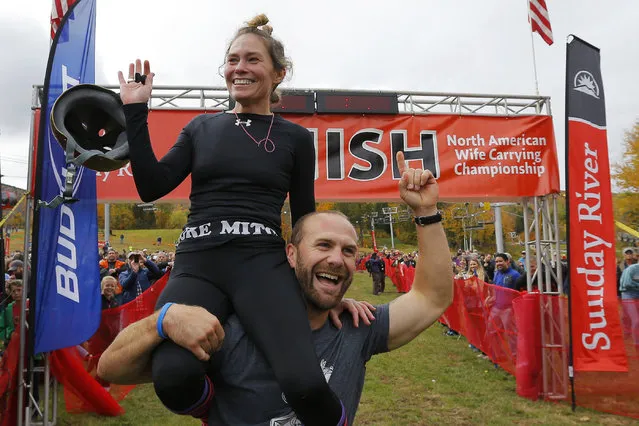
(232, 176)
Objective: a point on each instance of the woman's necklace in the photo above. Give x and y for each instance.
(269, 145)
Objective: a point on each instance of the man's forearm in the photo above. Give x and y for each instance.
(432, 289)
(127, 359)
(433, 275)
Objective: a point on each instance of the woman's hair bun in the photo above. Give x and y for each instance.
(260, 22)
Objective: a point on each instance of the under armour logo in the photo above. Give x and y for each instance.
(247, 123)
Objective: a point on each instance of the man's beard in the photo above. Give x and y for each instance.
(305, 277)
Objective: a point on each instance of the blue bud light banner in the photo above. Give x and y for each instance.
(67, 298)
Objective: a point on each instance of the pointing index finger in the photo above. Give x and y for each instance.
(401, 164)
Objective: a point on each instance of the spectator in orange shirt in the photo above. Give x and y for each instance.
(112, 266)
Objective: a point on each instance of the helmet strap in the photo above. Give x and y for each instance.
(67, 194)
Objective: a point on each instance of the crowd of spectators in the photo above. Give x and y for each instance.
(487, 268)
(500, 269)
(11, 297)
(10, 311)
(124, 276)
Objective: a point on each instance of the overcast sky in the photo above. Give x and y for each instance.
(457, 46)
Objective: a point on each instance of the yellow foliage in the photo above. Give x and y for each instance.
(626, 209)
(323, 206)
(626, 173)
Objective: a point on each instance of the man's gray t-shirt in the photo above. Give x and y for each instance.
(247, 393)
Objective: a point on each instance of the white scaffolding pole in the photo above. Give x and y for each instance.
(499, 229)
(543, 235)
(25, 280)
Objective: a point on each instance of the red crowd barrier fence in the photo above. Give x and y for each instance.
(401, 276)
(9, 381)
(507, 326)
(76, 368)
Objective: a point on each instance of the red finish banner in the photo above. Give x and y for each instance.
(474, 157)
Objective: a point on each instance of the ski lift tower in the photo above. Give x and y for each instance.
(390, 211)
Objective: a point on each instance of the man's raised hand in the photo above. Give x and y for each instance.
(418, 188)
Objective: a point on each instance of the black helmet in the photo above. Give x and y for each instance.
(90, 118)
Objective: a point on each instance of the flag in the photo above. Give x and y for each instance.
(540, 20)
(58, 10)
(597, 335)
(65, 239)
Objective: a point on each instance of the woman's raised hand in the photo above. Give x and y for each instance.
(132, 92)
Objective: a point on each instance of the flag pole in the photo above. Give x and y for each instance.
(571, 369)
(532, 44)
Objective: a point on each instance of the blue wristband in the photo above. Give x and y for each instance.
(161, 318)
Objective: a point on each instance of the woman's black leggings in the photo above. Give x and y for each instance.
(253, 279)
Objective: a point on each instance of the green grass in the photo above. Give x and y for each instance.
(138, 239)
(16, 241)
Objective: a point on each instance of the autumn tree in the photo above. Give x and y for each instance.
(177, 218)
(163, 215)
(626, 175)
(324, 206)
(17, 220)
(100, 215)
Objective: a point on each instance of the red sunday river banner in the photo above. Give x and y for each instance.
(597, 336)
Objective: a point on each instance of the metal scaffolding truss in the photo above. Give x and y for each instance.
(542, 240)
(217, 98)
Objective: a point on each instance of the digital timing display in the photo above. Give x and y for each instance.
(359, 103)
(296, 103)
(291, 102)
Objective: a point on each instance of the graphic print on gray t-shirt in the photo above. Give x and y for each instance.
(247, 393)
